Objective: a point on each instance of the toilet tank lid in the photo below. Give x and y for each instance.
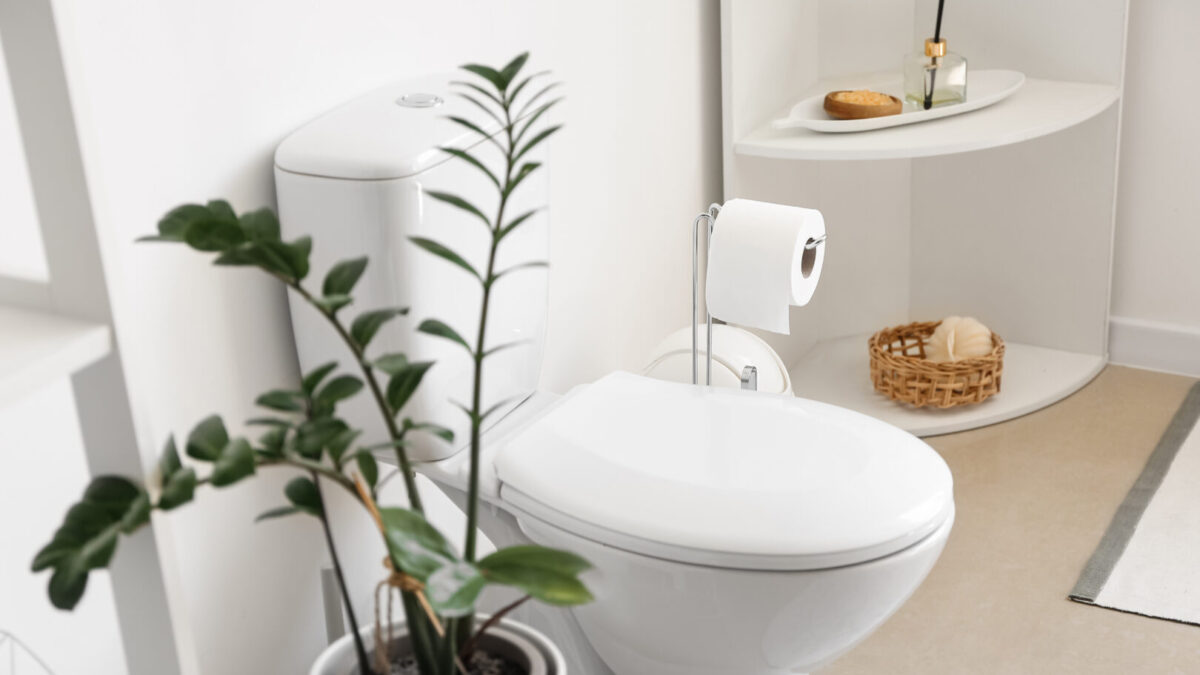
(393, 132)
(725, 477)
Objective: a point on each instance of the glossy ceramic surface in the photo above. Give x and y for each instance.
(724, 477)
(658, 617)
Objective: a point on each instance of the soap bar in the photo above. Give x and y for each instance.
(958, 338)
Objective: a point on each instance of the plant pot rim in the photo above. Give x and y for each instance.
(520, 635)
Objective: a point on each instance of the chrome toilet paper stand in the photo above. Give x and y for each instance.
(749, 374)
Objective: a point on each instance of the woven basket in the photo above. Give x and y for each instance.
(900, 371)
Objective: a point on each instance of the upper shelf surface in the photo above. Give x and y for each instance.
(36, 347)
(1041, 107)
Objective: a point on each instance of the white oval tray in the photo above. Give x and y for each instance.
(984, 87)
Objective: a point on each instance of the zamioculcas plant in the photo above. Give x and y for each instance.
(303, 432)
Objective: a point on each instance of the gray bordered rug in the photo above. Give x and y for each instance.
(1149, 559)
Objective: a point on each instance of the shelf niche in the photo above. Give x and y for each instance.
(1005, 213)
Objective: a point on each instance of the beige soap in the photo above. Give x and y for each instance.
(958, 338)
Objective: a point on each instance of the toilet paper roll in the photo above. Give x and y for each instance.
(757, 263)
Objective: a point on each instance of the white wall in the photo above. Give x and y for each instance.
(1156, 278)
(183, 101)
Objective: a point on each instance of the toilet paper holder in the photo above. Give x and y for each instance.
(710, 216)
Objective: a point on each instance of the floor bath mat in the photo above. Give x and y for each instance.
(1149, 559)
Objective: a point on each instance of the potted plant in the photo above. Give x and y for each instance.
(438, 585)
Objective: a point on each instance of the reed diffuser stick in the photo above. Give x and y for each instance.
(937, 37)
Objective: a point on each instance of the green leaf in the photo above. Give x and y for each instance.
(468, 124)
(526, 169)
(174, 225)
(490, 74)
(510, 71)
(391, 363)
(367, 324)
(177, 490)
(168, 463)
(137, 515)
(467, 157)
(404, 383)
(549, 575)
(339, 388)
(459, 202)
(444, 253)
(482, 106)
(207, 439)
(430, 428)
(296, 253)
(260, 225)
(277, 512)
(312, 437)
(87, 538)
(219, 208)
(523, 266)
(439, 329)
(339, 443)
(273, 441)
(454, 588)
(514, 224)
(304, 494)
(332, 303)
(415, 546)
(269, 422)
(533, 118)
(235, 463)
(506, 345)
(343, 276)
(214, 234)
(368, 467)
(282, 400)
(525, 108)
(514, 92)
(535, 141)
(267, 255)
(314, 377)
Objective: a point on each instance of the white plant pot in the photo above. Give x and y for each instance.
(515, 641)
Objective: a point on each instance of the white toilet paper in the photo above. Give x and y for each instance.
(757, 263)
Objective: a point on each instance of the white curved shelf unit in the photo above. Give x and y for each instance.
(1041, 107)
(836, 371)
(37, 347)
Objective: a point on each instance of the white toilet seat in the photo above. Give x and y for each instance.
(723, 477)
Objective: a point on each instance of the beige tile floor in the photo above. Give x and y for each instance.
(1034, 496)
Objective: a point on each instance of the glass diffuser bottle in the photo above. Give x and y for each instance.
(937, 77)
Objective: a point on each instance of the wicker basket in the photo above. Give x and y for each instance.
(900, 371)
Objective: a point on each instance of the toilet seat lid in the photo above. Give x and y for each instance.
(725, 477)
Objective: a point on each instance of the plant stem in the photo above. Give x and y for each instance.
(469, 646)
(364, 662)
(477, 394)
(389, 416)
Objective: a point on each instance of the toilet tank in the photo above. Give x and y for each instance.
(357, 180)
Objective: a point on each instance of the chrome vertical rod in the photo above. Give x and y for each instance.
(711, 216)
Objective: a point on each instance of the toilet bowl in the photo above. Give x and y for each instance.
(731, 532)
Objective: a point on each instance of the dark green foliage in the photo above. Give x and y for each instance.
(235, 463)
(343, 276)
(367, 324)
(404, 383)
(436, 327)
(87, 539)
(304, 432)
(207, 439)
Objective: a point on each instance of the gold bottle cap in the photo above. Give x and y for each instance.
(935, 48)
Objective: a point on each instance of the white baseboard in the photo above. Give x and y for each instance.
(1154, 345)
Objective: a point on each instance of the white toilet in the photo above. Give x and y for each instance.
(733, 532)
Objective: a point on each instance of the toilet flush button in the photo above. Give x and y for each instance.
(419, 100)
